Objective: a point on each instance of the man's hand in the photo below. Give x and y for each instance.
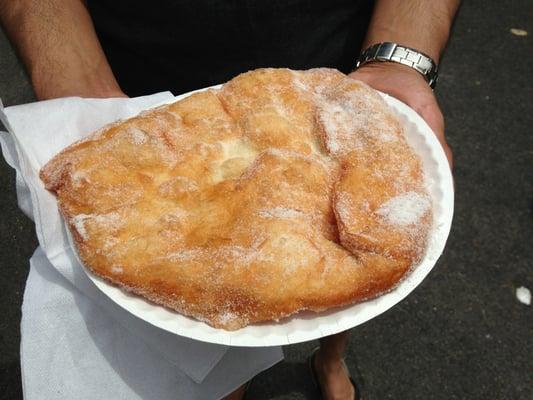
(419, 24)
(409, 86)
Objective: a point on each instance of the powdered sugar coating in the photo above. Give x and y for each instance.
(79, 224)
(107, 222)
(138, 137)
(404, 209)
(248, 203)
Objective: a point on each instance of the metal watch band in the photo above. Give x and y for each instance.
(388, 51)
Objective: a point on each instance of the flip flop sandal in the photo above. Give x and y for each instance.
(316, 382)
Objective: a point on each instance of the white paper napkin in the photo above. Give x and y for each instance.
(37, 131)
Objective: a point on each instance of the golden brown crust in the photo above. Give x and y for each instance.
(282, 191)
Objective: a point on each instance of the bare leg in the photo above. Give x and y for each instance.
(238, 394)
(331, 370)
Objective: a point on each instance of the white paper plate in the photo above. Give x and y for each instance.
(308, 325)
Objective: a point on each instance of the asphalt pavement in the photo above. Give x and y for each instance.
(462, 334)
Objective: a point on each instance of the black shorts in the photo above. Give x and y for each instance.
(183, 45)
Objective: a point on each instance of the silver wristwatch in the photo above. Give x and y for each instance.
(387, 51)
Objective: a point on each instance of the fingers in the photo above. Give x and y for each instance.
(432, 114)
(409, 86)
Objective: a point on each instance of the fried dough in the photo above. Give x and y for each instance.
(282, 191)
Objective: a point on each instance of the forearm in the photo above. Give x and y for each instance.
(57, 42)
(421, 24)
